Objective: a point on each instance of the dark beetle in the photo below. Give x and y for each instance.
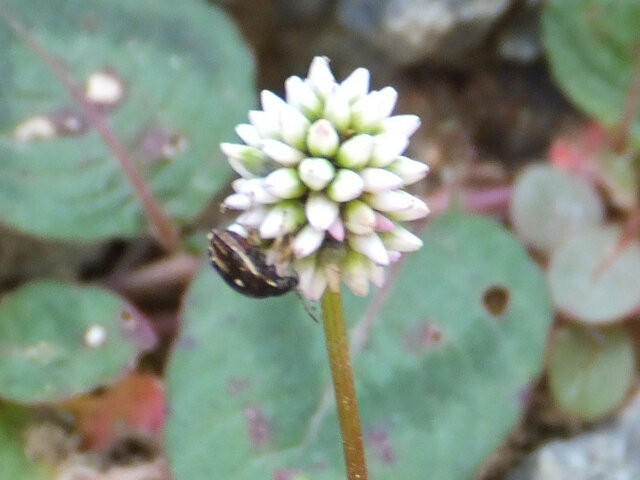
(244, 268)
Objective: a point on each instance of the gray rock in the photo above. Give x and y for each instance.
(410, 31)
(607, 453)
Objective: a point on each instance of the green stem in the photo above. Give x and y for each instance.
(338, 349)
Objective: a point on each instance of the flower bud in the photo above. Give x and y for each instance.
(356, 152)
(379, 180)
(320, 77)
(356, 85)
(347, 185)
(255, 189)
(402, 124)
(337, 110)
(359, 218)
(293, 127)
(387, 146)
(281, 152)
(237, 201)
(283, 218)
(301, 96)
(321, 212)
(307, 241)
(284, 183)
(401, 240)
(322, 139)
(411, 171)
(316, 173)
(370, 246)
(355, 273)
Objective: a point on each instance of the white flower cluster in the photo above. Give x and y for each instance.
(324, 170)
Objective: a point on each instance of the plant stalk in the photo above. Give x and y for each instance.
(338, 349)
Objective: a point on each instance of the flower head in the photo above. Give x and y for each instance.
(322, 175)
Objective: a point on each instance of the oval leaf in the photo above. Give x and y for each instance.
(590, 372)
(550, 205)
(58, 340)
(595, 277)
(592, 46)
(450, 355)
(175, 82)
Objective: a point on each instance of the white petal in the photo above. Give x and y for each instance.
(402, 124)
(380, 180)
(322, 139)
(237, 201)
(371, 246)
(369, 111)
(347, 185)
(265, 123)
(307, 241)
(411, 171)
(392, 201)
(316, 173)
(355, 273)
(338, 110)
(356, 152)
(249, 134)
(312, 280)
(356, 85)
(271, 102)
(281, 152)
(284, 218)
(321, 211)
(301, 96)
(377, 274)
(416, 211)
(284, 183)
(293, 127)
(387, 146)
(401, 240)
(255, 189)
(239, 229)
(320, 77)
(387, 98)
(252, 218)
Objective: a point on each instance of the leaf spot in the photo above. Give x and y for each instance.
(236, 386)
(105, 88)
(259, 427)
(38, 127)
(495, 300)
(378, 439)
(95, 336)
(161, 142)
(69, 121)
(424, 336)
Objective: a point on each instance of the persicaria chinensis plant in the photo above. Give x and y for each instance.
(322, 177)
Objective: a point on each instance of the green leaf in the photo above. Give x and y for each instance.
(187, 77)
(592, 46)
(596, 278)
(550, 205)
(13, 461)
(57, 341)
(440, 382)
(590, 371)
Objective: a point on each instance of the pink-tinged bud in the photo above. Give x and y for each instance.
(347, 185)
(418, 210)
(321, 211)
(284, 183)
(356, 152)
(356, 85)
(336, 230)
(307, 241)
(301, 96)
(370, 246)
(402, 124)
(401, 240)
(316, 173)
(322, 139)
(320, 77)
(379, 180)
(377, 274)
(282, 153)
(387, 146)
(359, 218)
(383, 224)
(411, 171)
